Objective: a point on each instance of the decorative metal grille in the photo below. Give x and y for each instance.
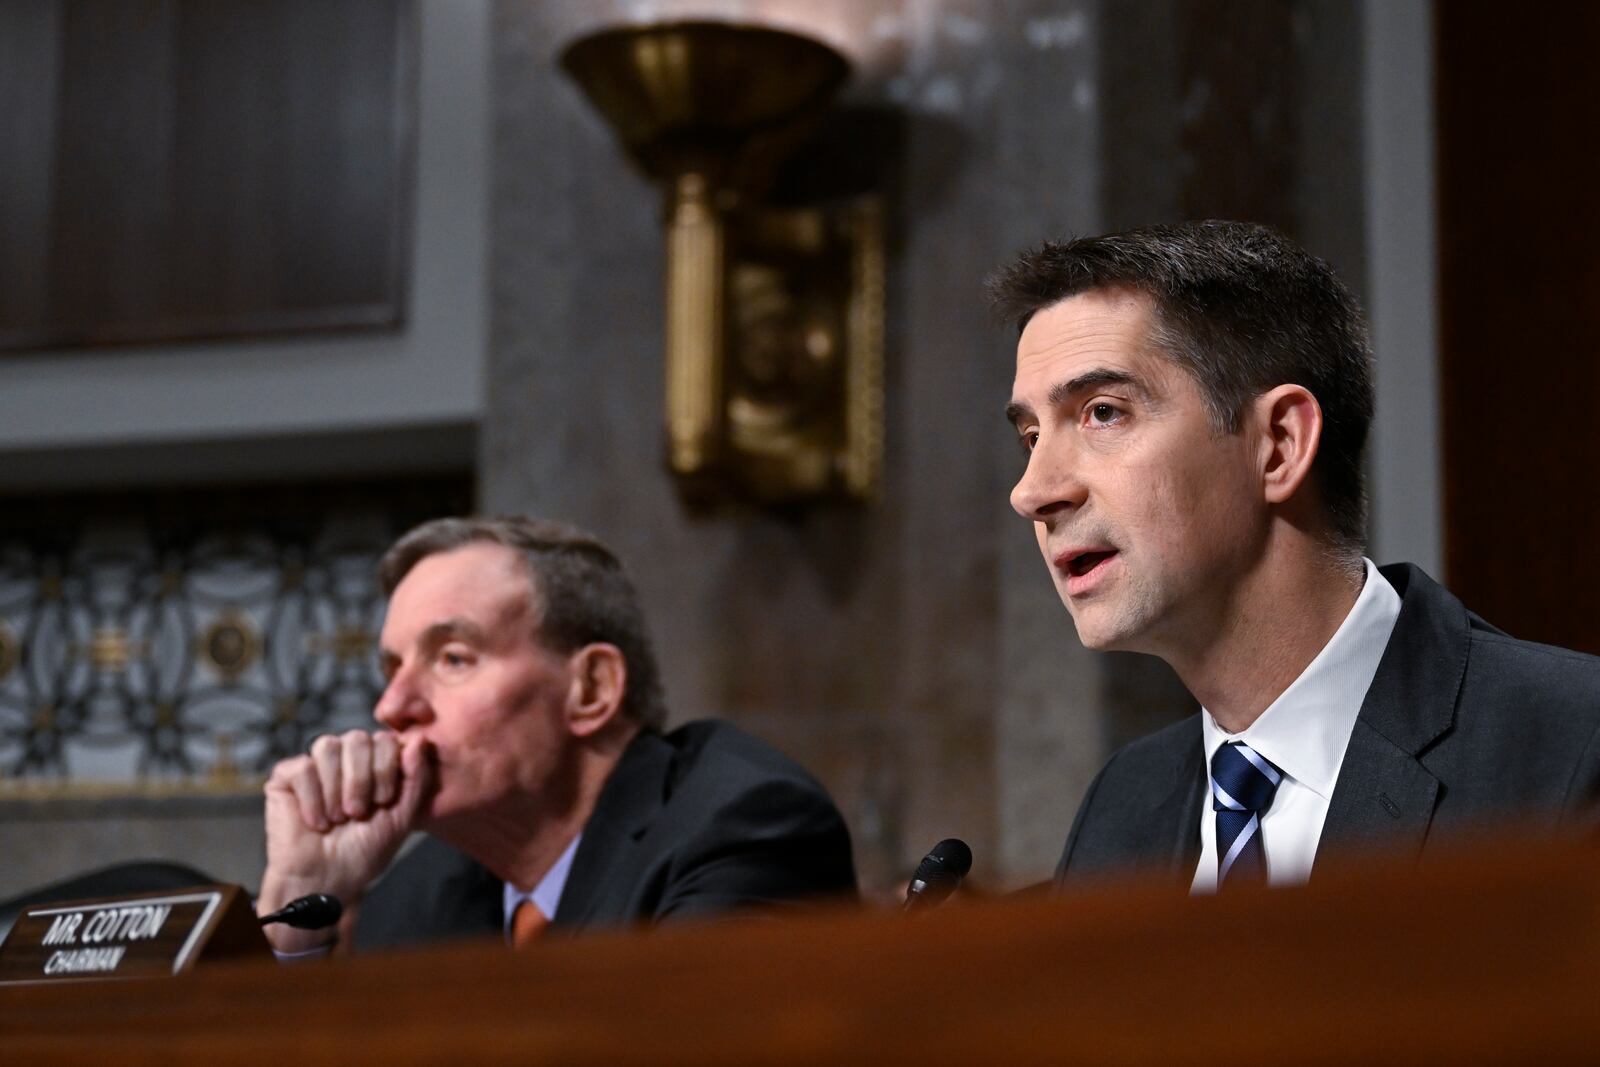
(137, 655)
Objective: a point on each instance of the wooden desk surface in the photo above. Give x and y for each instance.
(1486, 956)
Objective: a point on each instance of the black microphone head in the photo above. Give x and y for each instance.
(954, 854)
(939, 873)
(313, 912)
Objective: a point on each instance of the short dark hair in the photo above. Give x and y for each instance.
(1241, 308)
(583, 593)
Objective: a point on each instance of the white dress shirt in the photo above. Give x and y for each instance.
(546, 896)
(1305, 733)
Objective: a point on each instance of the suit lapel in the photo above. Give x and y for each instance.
(433, 892)
(609, 853)
(1385, 797)
(1175, 820)
(1384, 794)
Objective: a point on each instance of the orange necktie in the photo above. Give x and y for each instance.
(527, 923)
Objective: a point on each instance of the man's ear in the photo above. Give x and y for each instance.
(1290, 420)
(599, 679)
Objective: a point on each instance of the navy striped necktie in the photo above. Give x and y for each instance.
(1242, 786)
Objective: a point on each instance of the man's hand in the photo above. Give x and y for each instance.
(336, 818)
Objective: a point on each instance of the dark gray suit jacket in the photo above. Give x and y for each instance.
(1462, 727)
(693, 822)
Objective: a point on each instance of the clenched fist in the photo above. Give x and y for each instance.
(335, 819)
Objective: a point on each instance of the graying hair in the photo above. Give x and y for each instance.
(583, 592)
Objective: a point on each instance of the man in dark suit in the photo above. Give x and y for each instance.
(1194, 403)
(523, 719)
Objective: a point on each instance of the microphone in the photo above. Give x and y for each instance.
(312, 912)
(938, 875)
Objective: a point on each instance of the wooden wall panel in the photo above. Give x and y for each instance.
(178, 168)
(1519, 283)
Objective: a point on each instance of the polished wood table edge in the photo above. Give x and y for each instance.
(1486, 954)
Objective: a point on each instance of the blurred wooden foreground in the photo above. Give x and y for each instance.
(1487, 956)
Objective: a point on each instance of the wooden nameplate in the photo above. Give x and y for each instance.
(140, 935)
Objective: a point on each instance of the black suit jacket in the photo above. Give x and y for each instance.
(1462, 727)
(693, 822)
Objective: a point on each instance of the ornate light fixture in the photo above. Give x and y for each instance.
(774, 331)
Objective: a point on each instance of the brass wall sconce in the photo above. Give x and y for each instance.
(774, 314)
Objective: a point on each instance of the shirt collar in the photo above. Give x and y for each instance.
(546, 896)
(1306, 730)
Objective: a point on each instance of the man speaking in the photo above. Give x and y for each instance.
(1194, 403)
(523, 718)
